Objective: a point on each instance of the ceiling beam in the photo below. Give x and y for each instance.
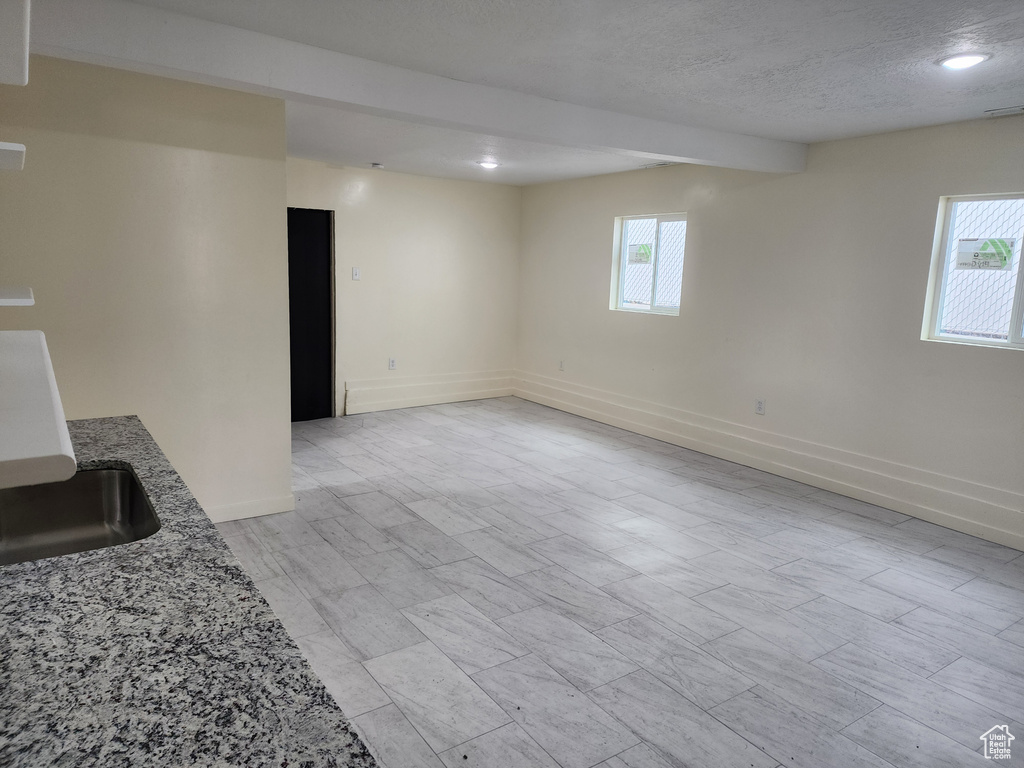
(128, 36)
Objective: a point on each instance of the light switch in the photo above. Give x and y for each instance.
(355, 273)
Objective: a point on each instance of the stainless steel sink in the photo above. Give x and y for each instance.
(94, 509)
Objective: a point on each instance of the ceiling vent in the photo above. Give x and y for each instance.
(1005, 111)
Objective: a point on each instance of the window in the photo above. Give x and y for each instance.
(647, 270)
(976, 296)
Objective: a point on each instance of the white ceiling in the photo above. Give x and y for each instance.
(793, 70)
(342, 137)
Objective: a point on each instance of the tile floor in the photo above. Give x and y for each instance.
(499, 584)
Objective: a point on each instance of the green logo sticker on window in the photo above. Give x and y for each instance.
(640, 254)
(985, 253)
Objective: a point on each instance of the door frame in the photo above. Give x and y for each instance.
(334, 308)
(334, 327)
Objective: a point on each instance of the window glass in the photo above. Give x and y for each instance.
(978, 302)
(648, 268)
(979, 293)
(638, 269)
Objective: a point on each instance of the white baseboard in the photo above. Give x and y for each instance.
(994, 514)
(990, 513)
(255, 508)
(409, 391)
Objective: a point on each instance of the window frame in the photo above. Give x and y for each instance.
(937, 280)
(620, 261)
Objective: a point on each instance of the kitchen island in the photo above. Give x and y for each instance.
(160, 652)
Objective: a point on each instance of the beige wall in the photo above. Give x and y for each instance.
(438, 289)
(150, 220)
(807, 290)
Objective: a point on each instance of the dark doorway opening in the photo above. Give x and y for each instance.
(311, 312)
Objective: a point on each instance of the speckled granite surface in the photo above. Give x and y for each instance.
(161, 652)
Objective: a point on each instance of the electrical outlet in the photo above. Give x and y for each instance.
(759, 406)
(392, 364)
(355, 273)
(561, 365)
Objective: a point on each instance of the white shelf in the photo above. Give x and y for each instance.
(14, 18)
(12, 156)
(16, 297)
(34, 443)
(14, 23)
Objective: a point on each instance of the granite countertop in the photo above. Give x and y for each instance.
(161, 652)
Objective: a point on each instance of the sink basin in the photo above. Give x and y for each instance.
(94, 509)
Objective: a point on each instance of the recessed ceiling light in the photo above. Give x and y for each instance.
(964, 61)
(488, 164)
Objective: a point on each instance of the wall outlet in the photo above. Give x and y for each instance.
(392, 364)
(759, 406)
(355, 273)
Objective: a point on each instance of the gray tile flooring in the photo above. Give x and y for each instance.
(499, 584)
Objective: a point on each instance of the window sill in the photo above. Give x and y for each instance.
(974, 343)
(663, 312)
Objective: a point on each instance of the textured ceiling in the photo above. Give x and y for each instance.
(803, 70)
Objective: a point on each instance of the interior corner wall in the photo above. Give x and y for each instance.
(150, 222)
(439, 271)
(806, 290)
